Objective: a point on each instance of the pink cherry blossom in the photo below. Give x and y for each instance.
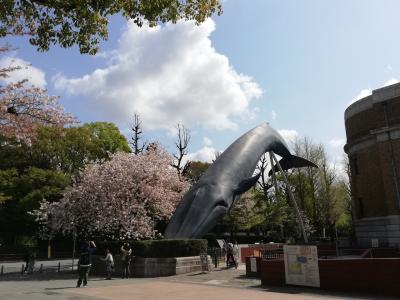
(122, 198)
(24, 107)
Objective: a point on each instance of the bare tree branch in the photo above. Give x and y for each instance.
(183, 139)
(136, 143)
(263, 181)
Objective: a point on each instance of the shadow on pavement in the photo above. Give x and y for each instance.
(38, 276)
(324, 293)
(62, 288)
(197, 274)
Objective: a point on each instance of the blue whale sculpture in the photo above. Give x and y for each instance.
(211, 197)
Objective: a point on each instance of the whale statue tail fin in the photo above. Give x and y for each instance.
(291, 162)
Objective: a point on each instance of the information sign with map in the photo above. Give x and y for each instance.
(301, 265)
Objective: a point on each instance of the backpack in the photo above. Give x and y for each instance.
(84, 258)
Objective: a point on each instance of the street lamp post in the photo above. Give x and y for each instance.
(73, 249)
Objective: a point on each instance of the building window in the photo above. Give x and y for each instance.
(361, 207)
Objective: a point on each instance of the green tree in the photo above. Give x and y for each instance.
(106, 139)
(195, 170)
(22, 193)
(346, 222)
(320, 193)
(13, 154)
(270, 215)
(70, 149)
(42, 170)
(245, 214)
(85, 23)
(279, 217)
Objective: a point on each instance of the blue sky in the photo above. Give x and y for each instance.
(295, 64)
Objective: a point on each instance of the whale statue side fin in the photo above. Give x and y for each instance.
(293, 161)
(246, 184)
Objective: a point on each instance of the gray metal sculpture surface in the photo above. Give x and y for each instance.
(225, 180)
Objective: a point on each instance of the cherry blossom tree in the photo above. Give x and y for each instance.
(85, 23)
(122, 198)
(24, 107)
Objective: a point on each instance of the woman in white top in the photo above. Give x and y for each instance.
(236, 253)
(109, 263)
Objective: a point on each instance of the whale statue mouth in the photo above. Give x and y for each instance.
(198, 222)
(221, 203)
(217, 212)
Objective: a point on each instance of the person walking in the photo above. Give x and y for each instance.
(126, 254)
(26, 260)
(85, 262)
(229, 255)
(31, 262)
(236, 254)
(109, 264)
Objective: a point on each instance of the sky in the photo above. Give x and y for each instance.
(295, 64)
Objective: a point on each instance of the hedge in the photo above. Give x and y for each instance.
(158, 248)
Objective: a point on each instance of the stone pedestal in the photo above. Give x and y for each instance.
(385, 229)
(152, 267)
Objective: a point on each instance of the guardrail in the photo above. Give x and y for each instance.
(40, 255)
(39, 267)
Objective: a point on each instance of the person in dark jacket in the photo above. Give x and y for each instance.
(26, 260)
(85, 262)
(31, 263)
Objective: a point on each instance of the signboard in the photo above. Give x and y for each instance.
(375, 243)
(221, 243)
(253, 264)
(301, 265)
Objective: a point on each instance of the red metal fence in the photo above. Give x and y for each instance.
(376, 275)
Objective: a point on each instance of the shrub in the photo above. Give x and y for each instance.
(159, 248)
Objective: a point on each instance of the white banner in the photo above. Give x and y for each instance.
(301, 265)
(253, 264)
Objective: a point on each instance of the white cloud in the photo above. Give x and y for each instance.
(362, 94)
(336, 143)
(35, 75)
(289, 135)
(168, 74)
(205, 154)
(207, 141)
(273, 115)
(391, 81)
(368, 91)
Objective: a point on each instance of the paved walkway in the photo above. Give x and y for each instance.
(219, 284)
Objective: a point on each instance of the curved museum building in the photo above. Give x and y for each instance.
(373, 146)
